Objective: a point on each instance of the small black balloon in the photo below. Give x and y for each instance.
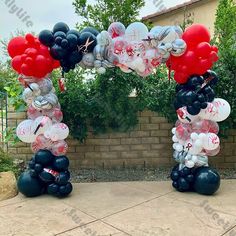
(65, 190)
(57, 52)
(75, 32)
(61, 26)
(29, 186)
(31, 164)
(64, 43)
(193, 111)
(63, 177)
(53, 189)
(174, 175)
(197, 105)
(61, 163)
(58, 40)
(46, 177)
(207, 181)
(91, 30)
(183, 185)
(38, 168)
(44, 157)
(60, 34)
(75, 58)
(72, 40)
(190, 178)
(46, 38)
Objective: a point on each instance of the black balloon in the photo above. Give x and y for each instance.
(195, 93)
(29, 186)
(61, 26)
(57, 52)
(65, 190)
(46, 38)
(61, 163)
(182, 179)
(87, 42)
(44, 157)
(90, 30)
(47, 176)
(63, 178)
(207, 181)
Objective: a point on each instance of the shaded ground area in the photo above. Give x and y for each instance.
(159, 174)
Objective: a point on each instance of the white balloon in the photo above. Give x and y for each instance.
(185, 117)
(25, 131)
(136, 31)
(116, 29)
(173, 130)
(218, 110)
(41, 124)
(190, 164)
(174, 139)
(211, 141)
(194, 136)
(57, 132)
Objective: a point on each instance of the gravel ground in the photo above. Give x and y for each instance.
(159, 174)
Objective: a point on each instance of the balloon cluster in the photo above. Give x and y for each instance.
(49, 172)
(195, 133)
(69, 46)
(199, 56)
(46, 133)
(30, 57)
(196, 93)
(203, 180)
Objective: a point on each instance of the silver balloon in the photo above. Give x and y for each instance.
(88, 60)
(178, 47)
(46, 102)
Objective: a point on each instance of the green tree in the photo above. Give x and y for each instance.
(101, 14)
(225, 38)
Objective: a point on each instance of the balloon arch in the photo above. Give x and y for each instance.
(134, 49)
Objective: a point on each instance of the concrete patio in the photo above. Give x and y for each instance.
(127, 208)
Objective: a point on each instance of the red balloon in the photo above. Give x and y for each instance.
(203, 50)
(56, 64)
(16, 63)
(215, 48)
(180, 77)
(16, 46)
(26, 70)
(214, 57)
(196, 34)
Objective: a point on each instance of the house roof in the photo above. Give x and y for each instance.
(148, 17)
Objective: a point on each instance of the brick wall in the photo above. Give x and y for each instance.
(148, 145)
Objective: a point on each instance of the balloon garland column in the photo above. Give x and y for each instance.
(48, 169)
(195, 133)
(134, 49)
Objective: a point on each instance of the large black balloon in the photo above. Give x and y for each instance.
(44, 157)
(46, 38)
(65, 190)
(87, 42)
(207, 181)
(61, 26)
(29, 186)
(90, 30)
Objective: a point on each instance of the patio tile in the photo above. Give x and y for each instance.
(223, 200)
(17, 199)
(102, 199)
(167, 217)
(44, 216)
(97, 228)
(159, 188)
(231, 232)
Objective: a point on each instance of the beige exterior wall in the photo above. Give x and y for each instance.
(203, 12)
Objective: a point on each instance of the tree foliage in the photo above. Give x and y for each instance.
(225, 38)
(101, 14)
